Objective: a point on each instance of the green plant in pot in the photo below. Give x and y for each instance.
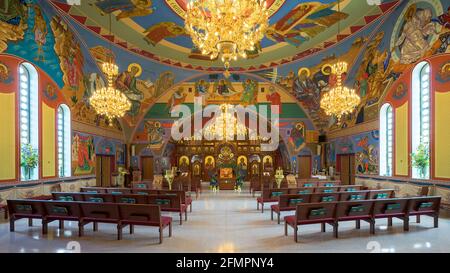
(420, 159)
(29, 160)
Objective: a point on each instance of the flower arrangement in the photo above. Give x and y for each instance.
(29, 159)
(420, 159)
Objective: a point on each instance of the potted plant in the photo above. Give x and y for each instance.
(420, 159)
(29, 160)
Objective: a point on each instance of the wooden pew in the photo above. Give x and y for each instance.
(143, 215)
(366, 210)
(283, 204)
(288, 202)
(28, 209)
(312, 213)
(269, 196)
(185, 199)
(88, 212)
(353, 211)
(97, 213)
(60, 211)
(390, 208)
(426, 205)
(170, 203)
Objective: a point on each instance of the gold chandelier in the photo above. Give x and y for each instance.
(340, 100)
(225, 126)
(226, 28)
(109, 101)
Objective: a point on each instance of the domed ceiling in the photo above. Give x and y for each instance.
(155, 29)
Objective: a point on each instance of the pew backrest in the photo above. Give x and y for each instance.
(57, 209)
(165, 201)
(140, 213)
(130, 198)
(381, 194)
(315, 211)
(105, 211)
(24, 207)
(394, 206)
(292, 200)
(68, 196)
(354, 209)
(324, 197)
(425, 203)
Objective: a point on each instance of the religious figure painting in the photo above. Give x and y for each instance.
(297, 137)
(155, 133)
(69, 52)
(5, 75)
(183, 164)
(127, 83)
(304, 22)
(178, 97)
(158, 32)
(13, 22)
(250, 93)
(127, 8)
(83, 154)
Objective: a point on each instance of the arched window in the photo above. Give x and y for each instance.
(29, 118)
(64, 148)
(386, 140)
(420, 120)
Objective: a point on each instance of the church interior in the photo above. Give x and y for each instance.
(224, 126)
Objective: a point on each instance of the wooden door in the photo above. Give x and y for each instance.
(304, 167)
(347, 168)
(104, 169)
(147, 168)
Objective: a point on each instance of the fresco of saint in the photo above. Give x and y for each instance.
(250, 92)
(413, 40)
(126, 82)
(128, 8)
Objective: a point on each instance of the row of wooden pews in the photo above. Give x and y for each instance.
(289, 202)
(121, 214)
(363, 210)
(120, 206)
(272, 195)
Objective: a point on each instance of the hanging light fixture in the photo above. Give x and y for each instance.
(225, 126)
(340, 100)
(226, 28)
(108, 101)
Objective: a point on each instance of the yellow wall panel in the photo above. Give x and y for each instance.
(442, 136)
(48, 141)
(401, 140)
(8, 136)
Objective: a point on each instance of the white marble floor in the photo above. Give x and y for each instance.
(229, 222)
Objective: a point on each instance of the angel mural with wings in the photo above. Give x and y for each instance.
(201, 88)
(304, 22)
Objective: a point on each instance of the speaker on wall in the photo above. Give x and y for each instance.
(322, 138)
(133, 150)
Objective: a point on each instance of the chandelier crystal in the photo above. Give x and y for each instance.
(225, 126)
(109, 101)
(340, 100)
(226, 28)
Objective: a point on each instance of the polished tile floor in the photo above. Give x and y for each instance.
(229, 222)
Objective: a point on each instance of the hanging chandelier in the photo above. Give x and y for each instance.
(226, 28)
(225, 126)
(340, 100)
(108, 101)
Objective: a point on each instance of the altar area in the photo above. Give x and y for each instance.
(225, 165)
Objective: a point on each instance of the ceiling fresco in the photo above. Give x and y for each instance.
(155, 29)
